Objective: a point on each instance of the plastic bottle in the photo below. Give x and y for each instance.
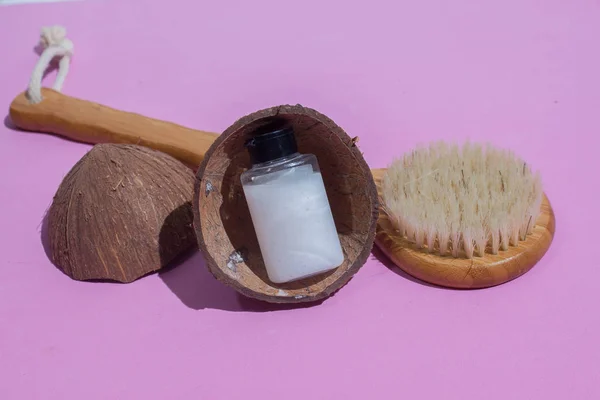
(289, 207)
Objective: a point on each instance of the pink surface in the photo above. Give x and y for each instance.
(520, 73)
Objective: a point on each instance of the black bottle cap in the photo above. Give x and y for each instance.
(271, 141)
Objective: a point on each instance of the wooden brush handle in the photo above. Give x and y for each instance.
(88, 122)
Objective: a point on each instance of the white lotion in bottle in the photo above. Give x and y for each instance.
(289, 207)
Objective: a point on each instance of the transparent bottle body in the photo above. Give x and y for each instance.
(292, 218)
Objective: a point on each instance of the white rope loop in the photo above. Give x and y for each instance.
(55, 43)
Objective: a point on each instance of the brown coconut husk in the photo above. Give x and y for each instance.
(123, 211)
(222, 220)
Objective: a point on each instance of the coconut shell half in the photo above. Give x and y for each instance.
(222, 221)
(123, 211)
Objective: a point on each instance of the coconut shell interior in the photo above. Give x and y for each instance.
(222, 219)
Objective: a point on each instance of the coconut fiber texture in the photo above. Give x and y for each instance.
(222, 220)
(122, 212)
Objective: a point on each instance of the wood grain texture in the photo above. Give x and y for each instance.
(88, 122)
(224, 226)
(460, 273)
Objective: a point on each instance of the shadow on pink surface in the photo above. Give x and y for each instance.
(378, 255)
(9, 124)
(191, 281)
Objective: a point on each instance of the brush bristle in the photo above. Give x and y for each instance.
(462, 200)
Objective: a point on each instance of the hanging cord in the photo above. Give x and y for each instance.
(55, 43)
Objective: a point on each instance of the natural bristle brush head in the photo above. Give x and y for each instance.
(462, 200)
(465, 216)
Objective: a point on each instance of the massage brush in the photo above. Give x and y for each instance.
(461, 217)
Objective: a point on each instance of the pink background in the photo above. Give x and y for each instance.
(520, 73)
